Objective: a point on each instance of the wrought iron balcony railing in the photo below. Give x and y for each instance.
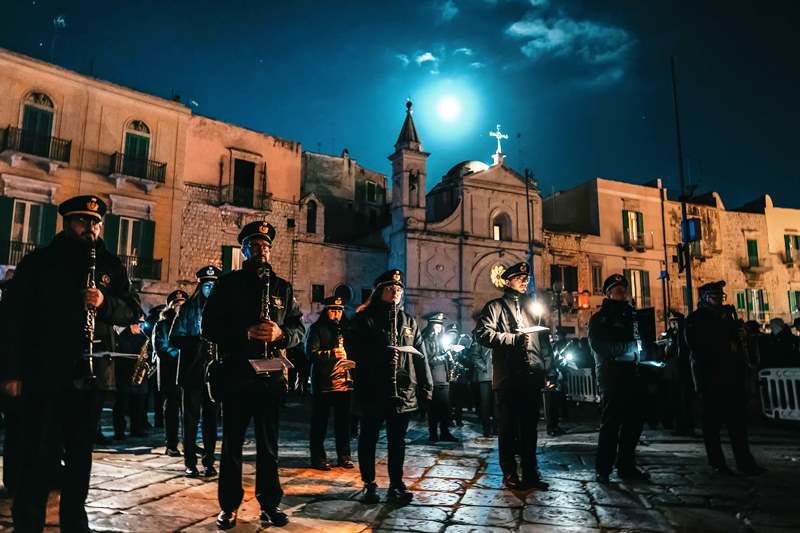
(245, 197)
(141, 267)
(32, 143)
(12, 252)
(145, 169)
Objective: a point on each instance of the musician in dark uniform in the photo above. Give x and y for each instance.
(388, 382)
(719, 359)
(519, 363)
(131, 400)
(331, 385)
(616, 354)
(167, 353)
(441, 368)
(48, 369)
(252, 313)
(194, 354)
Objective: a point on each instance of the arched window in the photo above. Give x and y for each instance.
(37, 124)
(137, 149)
(311, 217)
(501, 228)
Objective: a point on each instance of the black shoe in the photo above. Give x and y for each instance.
(119, 437)
(399, 495)
(722, 470)
(449, 437)
(173, 452)
(191, 471)
(324, 465)
(226, 519)
(556, 432)
(370, 494)
(209, 471)
(274, 517)
(602, 479)
(534, 483)
(633, 474)
(753, 470)
(511, 482)
(101, 439)
(345, 463)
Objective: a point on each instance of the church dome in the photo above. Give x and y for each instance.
(464, 168)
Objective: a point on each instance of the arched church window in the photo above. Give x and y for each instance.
(311, 217)
(501, 228)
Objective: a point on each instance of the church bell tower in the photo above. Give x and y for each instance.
(408, 174)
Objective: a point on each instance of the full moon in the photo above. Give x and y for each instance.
(449, 108)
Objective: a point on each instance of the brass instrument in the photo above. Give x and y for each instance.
(144, 367)
(343, 364)
(91, 311)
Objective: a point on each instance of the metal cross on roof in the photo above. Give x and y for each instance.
(499, 136)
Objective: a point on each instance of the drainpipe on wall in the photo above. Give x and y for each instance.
(665, 279)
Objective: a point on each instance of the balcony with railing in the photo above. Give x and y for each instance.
(20, 143)
(144, 172)
(245, 197)
(791, 258)
(633, 243)
(141, 267)
(755, 265)
(12, 252)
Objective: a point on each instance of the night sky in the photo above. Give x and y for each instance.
(581, 87)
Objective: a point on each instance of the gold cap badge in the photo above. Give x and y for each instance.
(92, 205)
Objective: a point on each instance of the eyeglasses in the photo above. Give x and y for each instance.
(257, 246)
(89, 221)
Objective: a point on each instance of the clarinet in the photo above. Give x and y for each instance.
(263, 273)
(395, 396)
(91, 311)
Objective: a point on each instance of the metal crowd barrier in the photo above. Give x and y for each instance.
(780, 393)
(580, 386)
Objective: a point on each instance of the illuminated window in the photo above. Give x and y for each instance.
(639, 287)
(501, 228)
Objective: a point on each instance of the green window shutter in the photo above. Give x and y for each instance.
(752, 252)
(640, 226)
(748, 297)
(787, 244)
(227, 258)
(796, 239)
(627, 273)
(645, 279)
(48, 228)
(792, 301)
(6, 214)
(625, 233)
(148, 238)
(740, 301)
(111, 233)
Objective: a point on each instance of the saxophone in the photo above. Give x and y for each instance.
(91, 311)
(144, 367)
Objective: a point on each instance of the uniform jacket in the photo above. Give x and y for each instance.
(481, 357)
(612, 342)
(717, 359)
(368, 346)
(438, 360)
(512, 365)
(193, 351)
(323, 337)
(44, 340)
(234, 306)
(166, 352)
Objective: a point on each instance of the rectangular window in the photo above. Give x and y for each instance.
(741, 301)
(792, 248)
(289, 223)
(130, 237)
(633, 228)
(244, 176)
(37, 126)
(597, 279)
(695, 250)
(639, 287)
(231, 258)
(752, 252)
(566, 274)
(317, 293)
(371, 191)
(26, 223)
(794, 303)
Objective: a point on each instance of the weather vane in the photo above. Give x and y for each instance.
(499, 136)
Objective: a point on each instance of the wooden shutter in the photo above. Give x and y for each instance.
(764, 299)
(752, 252)
(48, 227)
(147, 239)
(787, 245)
(6, 215)
(626, 236)
(639, 227)
(792, 301)
(645, 280)
(111, 233)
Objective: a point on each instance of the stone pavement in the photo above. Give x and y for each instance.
(458, 489)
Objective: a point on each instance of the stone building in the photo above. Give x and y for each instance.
(455, 241)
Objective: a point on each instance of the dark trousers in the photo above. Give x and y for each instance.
(130, 400)
(486, 405)
(621, 422)
(684, 415)
(396, 427)
(439, 411)
(726, 406)
(258, 401)
(517, 411)
(12, 443)
(196, 403)
(170, 399)
(552, 408)
(321, 405)
(55, 426)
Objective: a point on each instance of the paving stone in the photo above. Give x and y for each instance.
(428, 497)
(489, 516)
(544, 528)
(669, 479)
(788, 520)
(458, 528)
(704, 520)
(452, 472)
(438, 484)
(436, 514)
(559, 499)
(559, 516)
(177, 506)
(639, 519)
(135, 481)
(346, 510)
(100, 468)
(612, 496)
(489, 481)
(576, 475)
(126, 500)
(491, 498)
(460, 461)
(565, 485)
(411, 524)
(138, 523)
